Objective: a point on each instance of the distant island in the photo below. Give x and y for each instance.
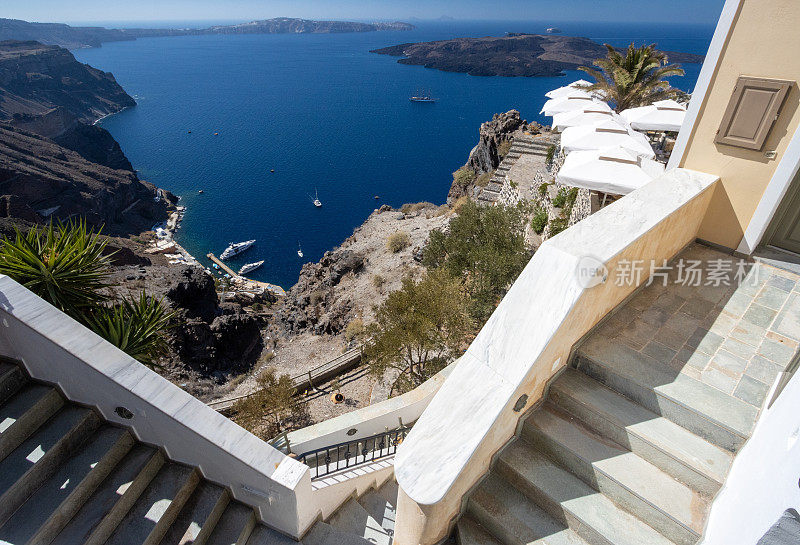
(516, 54)
(81, 37)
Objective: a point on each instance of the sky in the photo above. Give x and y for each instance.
(86, 11)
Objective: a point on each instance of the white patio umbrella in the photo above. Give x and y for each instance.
(609, 133)
(586, 116)
(664, 115)
(570, 90)
(614, 170)
(571, 103)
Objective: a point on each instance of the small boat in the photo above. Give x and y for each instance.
(272, 170)
(199, 190)
(250, 267)
(554, 30)
(235, 248)
(299, 250)
(423, 96)
(316, 201)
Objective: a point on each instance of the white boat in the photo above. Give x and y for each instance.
(235, 248)
(299, 250)
(317, 202)
(250, 267)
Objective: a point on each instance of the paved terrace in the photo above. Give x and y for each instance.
(733, 338)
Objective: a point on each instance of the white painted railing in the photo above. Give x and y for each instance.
(56, 349)
(528, 339)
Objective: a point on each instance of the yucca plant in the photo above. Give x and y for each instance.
(135, 326)
(636, 78)
(64, 265)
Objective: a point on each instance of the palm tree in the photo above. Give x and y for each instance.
(63, 265)
(635, 79)
(135, 326)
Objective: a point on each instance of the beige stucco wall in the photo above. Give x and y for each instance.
(764, 42)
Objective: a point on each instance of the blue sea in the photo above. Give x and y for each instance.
(328, 116)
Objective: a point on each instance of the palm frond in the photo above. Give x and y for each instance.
(136, 327)
(65, 265)
(633, 77)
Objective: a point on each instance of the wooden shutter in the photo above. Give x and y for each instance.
(751, 112)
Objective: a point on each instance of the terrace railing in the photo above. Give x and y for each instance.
(326, 460)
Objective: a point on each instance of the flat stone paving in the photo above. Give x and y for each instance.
(736, 338)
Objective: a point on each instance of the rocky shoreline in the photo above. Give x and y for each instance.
(522, 55)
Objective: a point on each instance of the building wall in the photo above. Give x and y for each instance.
(762, 482)
(764, 42)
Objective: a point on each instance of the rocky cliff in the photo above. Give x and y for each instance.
(40, 179)
(485, 157)
(512, 55)
(36, 78)
(53, 162)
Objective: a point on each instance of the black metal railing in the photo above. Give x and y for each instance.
(327, 460)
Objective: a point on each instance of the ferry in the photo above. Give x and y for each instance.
(235, 248)
(250, 267)
(423, 97)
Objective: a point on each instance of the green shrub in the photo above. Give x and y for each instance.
(557, 225)
(503, 148)
(378, 281)
(539, 221)
(551, 153)
(410, 207)
(398, 242)
(512, 183)
(560, 200)
(543, 189)
(464, 176)
(484, 247)
(354, 329)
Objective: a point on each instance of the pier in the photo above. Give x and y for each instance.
(274, 288)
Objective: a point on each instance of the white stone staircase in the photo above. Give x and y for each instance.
(622, 452)
(521, 145)
(68, 477)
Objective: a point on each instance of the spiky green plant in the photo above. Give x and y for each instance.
(63, 264)
(135, 326)
(636, 78)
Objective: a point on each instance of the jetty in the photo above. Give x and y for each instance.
(274, 288)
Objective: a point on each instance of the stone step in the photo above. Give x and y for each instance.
(234, 526)
(24, 412)
(59, 498)
(264, 536)
(11, 379)
(389, 491)
(40, 455)
(673, 449)
(469, 532)
(380, 509)
(515, 519)
(199, 516)
(157, 507)
(352, 518)
(672, 508)
(324, 534)
(719, 418)
(564, 496)
(101, 513)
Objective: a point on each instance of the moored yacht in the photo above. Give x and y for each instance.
(250, 267)
(235, 248)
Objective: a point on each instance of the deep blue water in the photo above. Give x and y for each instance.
(325, 114)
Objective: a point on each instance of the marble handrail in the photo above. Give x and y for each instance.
(528, 339)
